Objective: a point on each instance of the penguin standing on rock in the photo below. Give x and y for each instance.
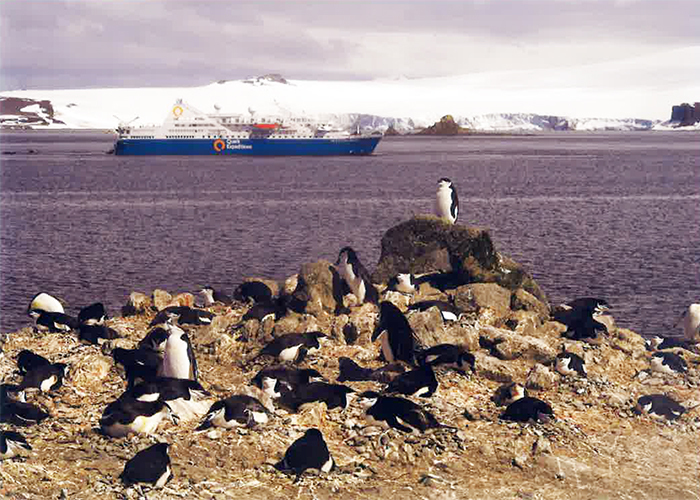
(398, 340)
(447, 201)
(212, 296)
(356, 276)
(151, 465)
(308, 452)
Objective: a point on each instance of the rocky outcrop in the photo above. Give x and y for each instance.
(427, 244)
(446, 126)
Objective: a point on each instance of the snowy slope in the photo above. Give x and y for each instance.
(593, 97)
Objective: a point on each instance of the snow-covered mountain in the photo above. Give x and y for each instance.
(625, 95)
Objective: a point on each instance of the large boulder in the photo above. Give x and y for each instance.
(318, 289)
(427, 244)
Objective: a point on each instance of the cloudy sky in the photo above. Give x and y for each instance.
(52, 44)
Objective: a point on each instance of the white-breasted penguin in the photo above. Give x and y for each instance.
(94, 314)
(333, 395)
(292, 347)
(184, 315)
(668, 363)
(526, 409)
(398, 340)
(581, 317)
(570, 365)
(127, 416)
(447, 310)
(690, 321)
(350, 371)
(12, 444)
(178, 359)
(447, 201)
(212, 296)
(154, 340)
(43, 302)
(658, 343)
(186, 398)
(402, 283)
(508, 393)
(398, 413)
(273, 379)
(308, 452)
(54, 322)
(96, 334)
(418, 382)
(659, 406)
(448, 356)
(356, 276)
(28, 360)
(19, 412)
(239, 410)
(253, 291)
(151, 466)
(45, 377)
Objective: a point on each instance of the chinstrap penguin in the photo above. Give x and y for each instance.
(356, 276)
(27, 361)
(447, 201)
(186, 398)
(418, 382)
(184, 316)
(659, 406)
(253, 291)
(580, 317)
(293, 347)
(349, 371)
(19, 412)
(54, 322)
(527, 409)
(94, 314)
(12, 444)
(238, 410)
(397, 413)
(570, 365)
(447, 310)
(308, 452)
(668, 363)
(178, 360)
(212, 296)
(658, 343)
(283, 377)
(690, 322)
(43, 302)
(508, 393)
(448, 356)
(45, 377)
(398, 340)
(139, 364)
(402, 283)
(151, 466)
(333, 395)
(129, 416)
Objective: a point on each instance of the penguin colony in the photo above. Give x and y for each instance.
(162, 383)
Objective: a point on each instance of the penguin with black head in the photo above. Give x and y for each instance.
(356, 276)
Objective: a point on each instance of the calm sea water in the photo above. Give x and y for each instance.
(613, 215)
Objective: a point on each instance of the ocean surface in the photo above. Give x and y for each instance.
(612, 215)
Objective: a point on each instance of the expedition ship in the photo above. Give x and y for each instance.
(187, 131)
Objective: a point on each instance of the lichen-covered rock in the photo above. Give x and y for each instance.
(161, 299)
(522, 300)
(428, 326)
(628, 342)
(493, 368)
(540, 378)
(318, 288)
(184, 299)
(479, 296)
(427, 244)
(508, 345)
(138, 303)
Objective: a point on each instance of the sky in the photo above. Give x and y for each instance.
(54, 44)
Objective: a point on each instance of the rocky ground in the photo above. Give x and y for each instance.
(595, 448)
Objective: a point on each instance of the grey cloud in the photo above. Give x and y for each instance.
(138, 42)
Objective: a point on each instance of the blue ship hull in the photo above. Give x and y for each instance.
(255, 147)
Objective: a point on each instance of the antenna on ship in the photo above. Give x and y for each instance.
(122, 122)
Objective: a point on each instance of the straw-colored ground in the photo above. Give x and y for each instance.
(595, 449)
